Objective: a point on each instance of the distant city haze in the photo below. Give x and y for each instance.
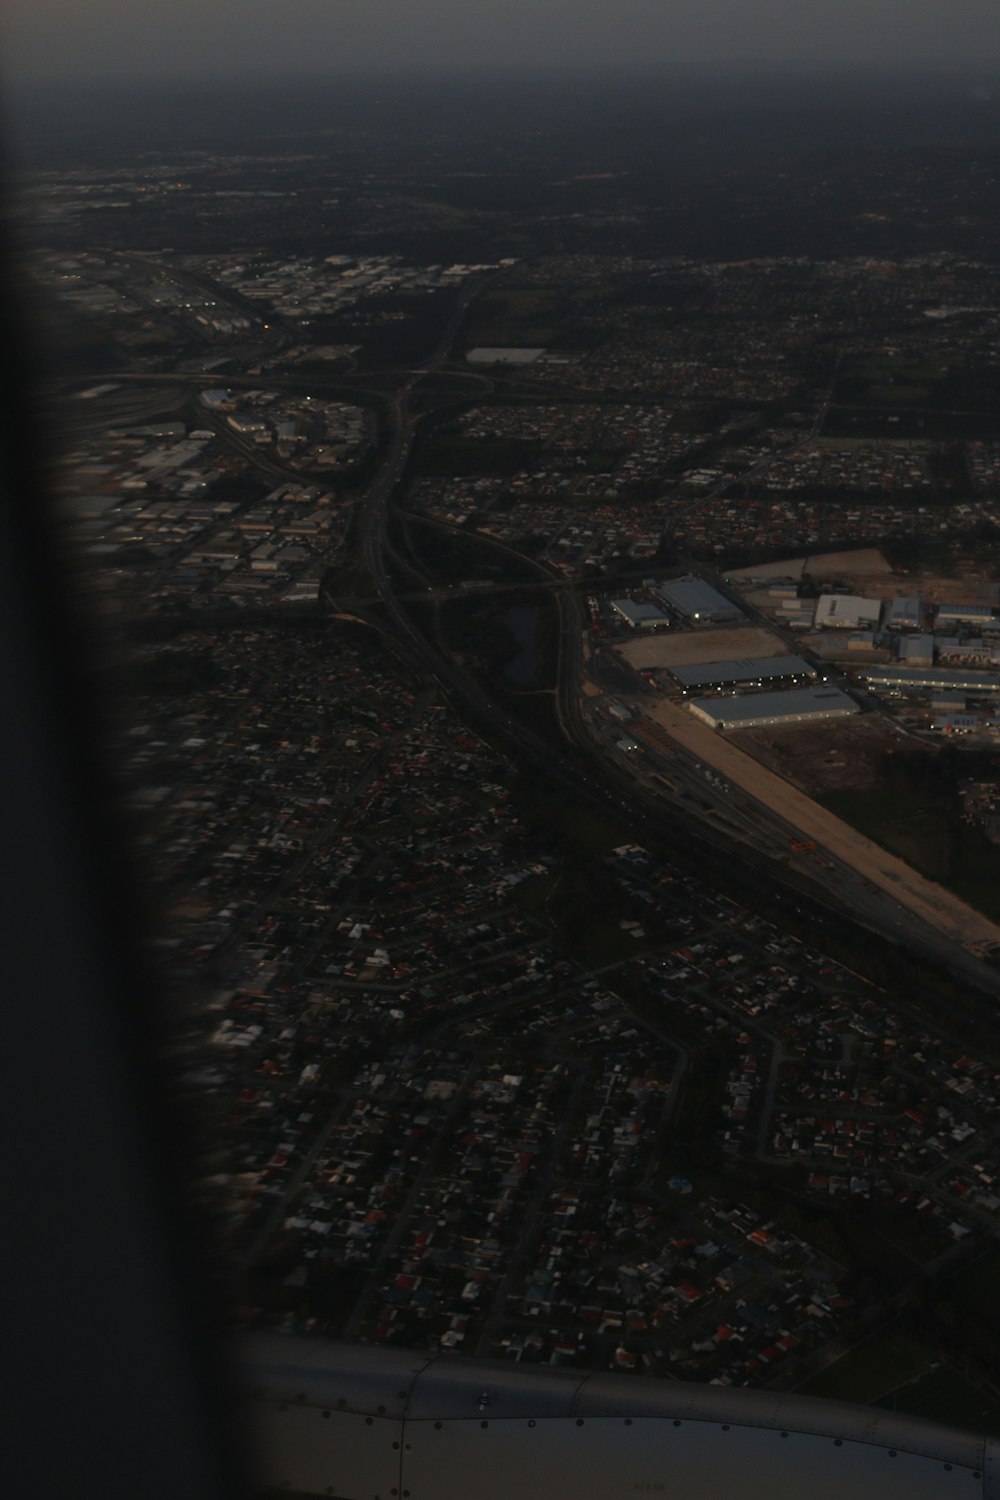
(96, 39)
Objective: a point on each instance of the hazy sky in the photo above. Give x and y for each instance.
(158, 38)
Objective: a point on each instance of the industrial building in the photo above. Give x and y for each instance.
(796, 614)
(952, 648)
(698, 602)
(947, 703)
(904, 614)
(926, 679)
(917, 650)
(956, 724)
(246, 424)
(768, 710)
(847, 612)
(755, 671)
(638, 616)
(962, 614)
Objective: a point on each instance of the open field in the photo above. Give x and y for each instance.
(932, 587)
(928, 901)
(871, 1371)
(945, 1395)
(902, 821)
(790, 567)
(819, 758)
(868, 572)
(977, 1290)
(687, 647)
(527, 317)
(821, 565)
(858, 564)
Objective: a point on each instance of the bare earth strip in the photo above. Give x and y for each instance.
(684, 648)
(819, 565)
(936, 906)
(825, 564)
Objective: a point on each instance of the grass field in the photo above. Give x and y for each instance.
(975, 869)
(929, 836)
(872, 1371)
(525, 316)
(885, 380)
(977, 1290)
(899, 1373)
(945, 1395)
(901, 822)
(884, 395)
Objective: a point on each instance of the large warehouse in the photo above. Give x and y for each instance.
(766, 710)
(698, 602)
(638, 616)
(753, 671)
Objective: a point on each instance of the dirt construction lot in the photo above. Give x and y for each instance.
(681, 648)
(828, 757)
(929, 901)
(820, 565)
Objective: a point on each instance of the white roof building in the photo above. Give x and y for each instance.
(847, 612)
(761, 710)
(638, 615)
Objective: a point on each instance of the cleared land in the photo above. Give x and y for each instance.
(822, 565)
(931, 588)
(692, 647)
(863, 562)
(790, 567)
(819, 758)
(867, 571)
(870, 1371)
(946, 1395)
(935, 906)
